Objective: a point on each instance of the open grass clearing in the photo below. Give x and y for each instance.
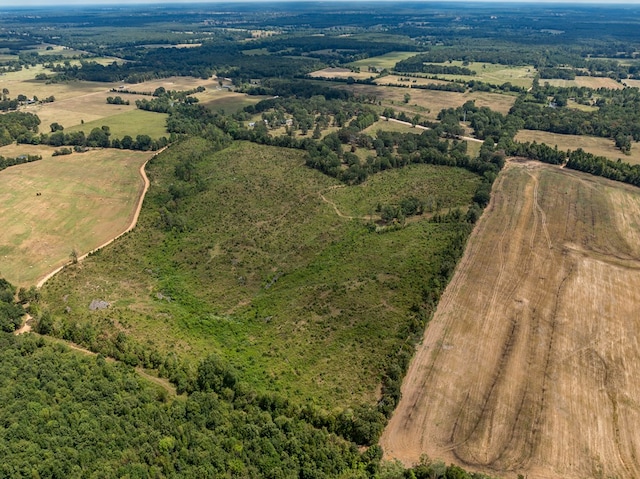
(430, 102)
(300, 300)
(388, 60)
(492, 73)
(436, 187)
(585, 81)
(528, 364)
(334, 72)
(132, 123)
(228, 101)
(591, 144)
(76, 207)
(86, 107)
(396, 80)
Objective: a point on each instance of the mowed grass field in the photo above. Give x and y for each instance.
(132, 123)
(84, 200)
(591, 144)
(388, 60)
(583, 81)
(529, 364)
(300, 300)
(85, 107)
(493, 73)
(341, 73)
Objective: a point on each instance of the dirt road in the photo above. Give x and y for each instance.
(530, 363)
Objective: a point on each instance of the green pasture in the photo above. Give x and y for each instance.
(132, 123)
(388, 60)
(492, 73)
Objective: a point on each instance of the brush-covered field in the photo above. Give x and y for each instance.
(237, 252)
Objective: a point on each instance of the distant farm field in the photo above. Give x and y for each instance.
(528, 366)
(591, 144)
(430, 102)
(132, 123)
(388, 60)
(267, 270)
(492, 73)
(341, 73)
(51, 206)
(583, 81)
(228, 101)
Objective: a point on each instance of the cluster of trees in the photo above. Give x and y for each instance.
(11, 312)
(98, 137)
(15, 124)
(417, 64)
(617, 116)
(7, 162)
(116, 100)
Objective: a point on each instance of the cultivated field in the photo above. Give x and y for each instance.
(591, 144)
(51, 206)
(529, 364)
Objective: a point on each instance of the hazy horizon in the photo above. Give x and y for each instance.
(44, 3)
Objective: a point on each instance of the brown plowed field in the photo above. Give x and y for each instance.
(531, 364)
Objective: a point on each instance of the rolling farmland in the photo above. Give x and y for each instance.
(527, 366)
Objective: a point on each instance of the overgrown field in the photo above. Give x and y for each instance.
(591, 144)
(50, 207)
(528, 366)
(237, 252)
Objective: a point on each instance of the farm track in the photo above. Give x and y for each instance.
(528, 366)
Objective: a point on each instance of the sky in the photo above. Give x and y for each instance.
(27, 3)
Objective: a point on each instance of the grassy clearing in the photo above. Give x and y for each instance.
(85, 107)
(226, 100)
(588, 82)
(493, 73)
(300, 300)
(437, 187)
(388, 60)
(591, 144)
(132, 123)
(341, 73)
(395, 80)
(76, 207)
(430, 102)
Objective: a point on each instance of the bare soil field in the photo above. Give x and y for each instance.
(591, 144)
(529, 364)
(52, 206)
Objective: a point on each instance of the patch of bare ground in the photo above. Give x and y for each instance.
(529, 364)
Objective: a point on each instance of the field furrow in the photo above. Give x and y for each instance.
(528, 364)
